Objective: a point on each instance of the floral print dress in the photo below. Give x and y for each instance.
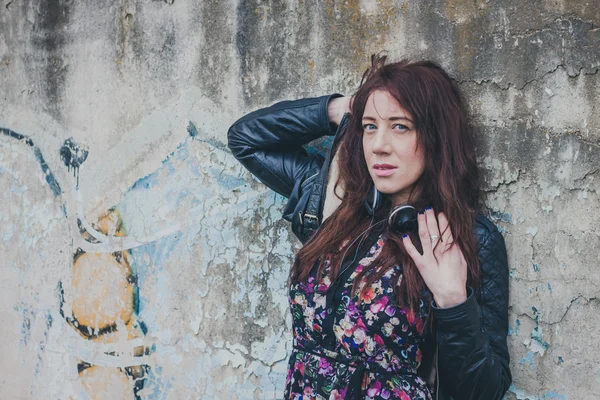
(360, 347)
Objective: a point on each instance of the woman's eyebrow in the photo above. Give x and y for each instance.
(391, 118)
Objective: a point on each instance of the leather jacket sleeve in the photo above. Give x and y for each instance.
(473, 358)
(268, 142)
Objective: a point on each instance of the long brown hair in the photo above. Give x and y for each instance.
(449, 183)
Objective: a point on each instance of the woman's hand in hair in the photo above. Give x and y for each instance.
(442, 265)
(337, 108)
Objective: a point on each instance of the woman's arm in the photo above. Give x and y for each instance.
(268, 142)
(473, 359)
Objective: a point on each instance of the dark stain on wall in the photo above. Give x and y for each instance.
(287, 48)
(214, 64)
(126, 21)
(50, 40)
(73, 155)
(273, 41)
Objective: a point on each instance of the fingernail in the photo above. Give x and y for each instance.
(405, 236)
(428, 208)
(421, 212)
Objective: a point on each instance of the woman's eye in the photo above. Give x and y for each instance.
(401, 127)
(369, 127)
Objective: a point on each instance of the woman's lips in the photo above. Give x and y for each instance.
(384, 169)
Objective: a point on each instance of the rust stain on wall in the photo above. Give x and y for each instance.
(365, 32)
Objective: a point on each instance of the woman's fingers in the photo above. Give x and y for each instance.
(432, 225)
(424, 233)
(412, 250)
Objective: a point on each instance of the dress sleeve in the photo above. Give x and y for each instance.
(473, 358)
(268, 142)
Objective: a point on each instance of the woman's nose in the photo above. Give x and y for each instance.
(380, 142)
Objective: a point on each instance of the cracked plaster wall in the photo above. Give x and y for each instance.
(121, 205)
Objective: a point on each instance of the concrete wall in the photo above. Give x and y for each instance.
(139, 259)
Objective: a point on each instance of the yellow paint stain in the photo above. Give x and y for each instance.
(311, 67)
(404, 8)
(110, 224)
(104, 383)
(465, 14)
(132, 331)
(103, 295)
(464, 11)
(465, 47)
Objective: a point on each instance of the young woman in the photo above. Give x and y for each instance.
(401, 288)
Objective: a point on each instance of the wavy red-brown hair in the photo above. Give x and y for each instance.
(449, 183)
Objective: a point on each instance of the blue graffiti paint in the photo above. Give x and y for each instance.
(148, 261)
(515, 331)
(554, 395)
(560, 360)
(549, 288)
(182, 153)
(505, 217)
(528, 359)
(191, 128)
(26, 325)
(536, 334)
(536, 315)
(52, 182)
(536, 267)
(550, 394)
(227, 181)
(146, 182)
(501, 230)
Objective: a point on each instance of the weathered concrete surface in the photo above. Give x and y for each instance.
(122, 207)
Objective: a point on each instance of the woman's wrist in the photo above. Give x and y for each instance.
(337, 108)
(450, 300)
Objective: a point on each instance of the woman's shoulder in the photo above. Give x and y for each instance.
(483, 228)
(491, 247)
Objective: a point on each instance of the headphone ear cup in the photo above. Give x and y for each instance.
(373, 200)
(403, 219)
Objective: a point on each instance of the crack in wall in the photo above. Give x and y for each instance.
(510, 85)
(589, 174)
(506, 184)
(537, 319)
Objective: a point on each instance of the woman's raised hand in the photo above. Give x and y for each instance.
(442, 266)
(337, 108)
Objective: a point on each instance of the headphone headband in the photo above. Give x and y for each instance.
(402, 218)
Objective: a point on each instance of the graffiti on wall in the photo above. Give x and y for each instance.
(120, 296)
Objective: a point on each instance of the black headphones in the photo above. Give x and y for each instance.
(402, 218)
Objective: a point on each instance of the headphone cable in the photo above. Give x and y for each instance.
(371, 226)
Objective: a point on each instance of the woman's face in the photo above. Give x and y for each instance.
(390, 145)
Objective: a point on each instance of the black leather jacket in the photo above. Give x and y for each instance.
(473, 359)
